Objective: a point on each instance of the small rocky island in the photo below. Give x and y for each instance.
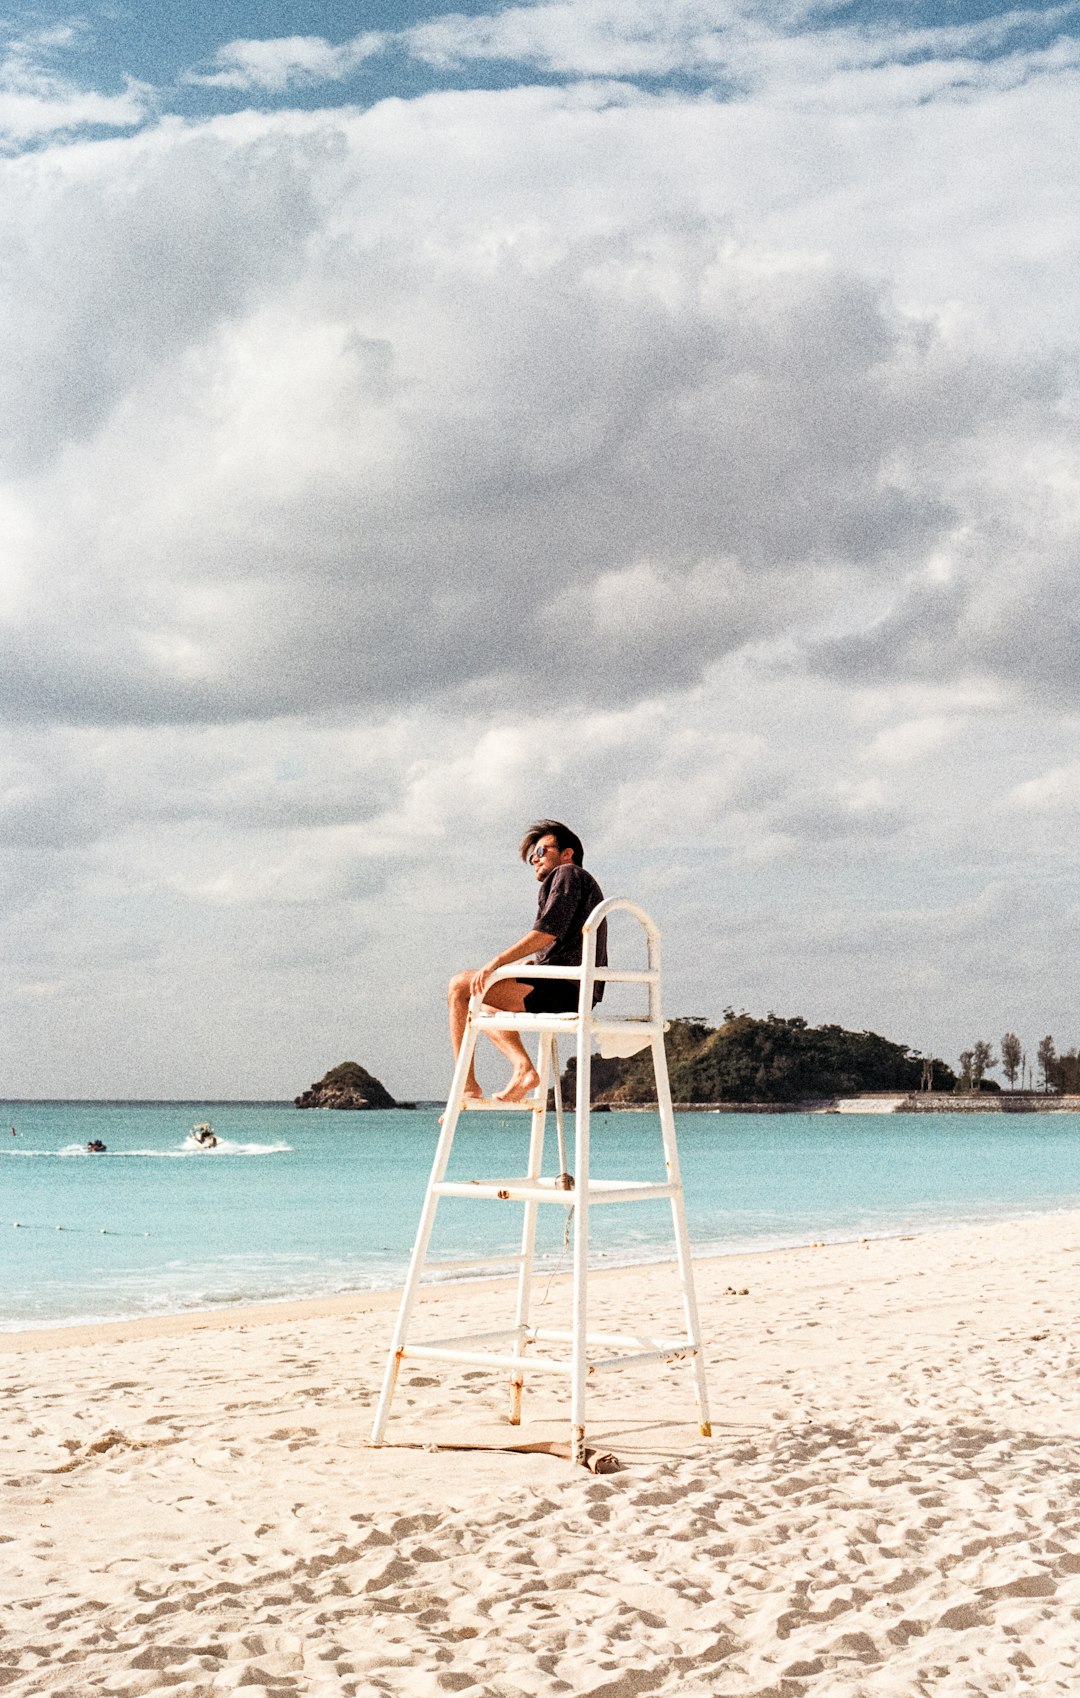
(347, 1086)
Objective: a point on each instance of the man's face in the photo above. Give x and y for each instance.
(545, 856)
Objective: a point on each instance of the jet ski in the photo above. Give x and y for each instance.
(204, 1136)
(95, 1147)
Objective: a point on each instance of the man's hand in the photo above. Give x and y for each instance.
(529, 945)
(478, 982)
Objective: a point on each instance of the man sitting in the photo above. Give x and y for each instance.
(568, 895)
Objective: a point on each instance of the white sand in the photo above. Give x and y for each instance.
(891, 1503)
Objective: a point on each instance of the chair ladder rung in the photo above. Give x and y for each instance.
(524, 1190)
(484, 1359)
(492, 1105)
(464, 1351)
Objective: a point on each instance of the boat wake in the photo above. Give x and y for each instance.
(227, 1147)
(223, 1147)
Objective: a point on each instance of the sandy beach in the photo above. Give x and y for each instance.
(890, 1503)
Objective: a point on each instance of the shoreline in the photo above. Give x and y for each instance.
(350, 1304)
(1021, 1168)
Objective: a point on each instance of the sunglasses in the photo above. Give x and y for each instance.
(538, 852)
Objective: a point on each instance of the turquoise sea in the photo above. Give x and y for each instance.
(297, 1204)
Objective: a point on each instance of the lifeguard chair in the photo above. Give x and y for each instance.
(513, 1348)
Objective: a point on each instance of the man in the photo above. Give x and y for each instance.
(568, 895)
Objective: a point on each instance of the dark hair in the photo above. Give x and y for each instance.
(564, 838)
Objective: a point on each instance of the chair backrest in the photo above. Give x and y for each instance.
(650, 976)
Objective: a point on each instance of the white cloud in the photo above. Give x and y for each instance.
(38, 101)
(812, 58)
(914, 739)
(376, 481)
(58, 109)
(1056, 791)
(796, 54)
(286, 62)
(317, 394)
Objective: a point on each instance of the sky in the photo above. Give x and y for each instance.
(657, 414)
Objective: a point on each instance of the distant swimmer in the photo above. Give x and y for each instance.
(14, 1134)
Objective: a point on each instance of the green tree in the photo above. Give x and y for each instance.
(1012, 1055)
(1047, 1056)
(982, 1060)
(967, 1056)
(1065, 1074)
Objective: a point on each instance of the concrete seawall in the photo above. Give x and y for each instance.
(882, 1102)
(1008, 1102)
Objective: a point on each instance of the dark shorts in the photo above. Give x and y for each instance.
(553, 996)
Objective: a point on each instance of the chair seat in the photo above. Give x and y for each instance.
(504, 1022)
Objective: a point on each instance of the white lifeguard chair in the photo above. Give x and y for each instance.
(509, 1348)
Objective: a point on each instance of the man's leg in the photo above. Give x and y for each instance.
(508, 996)
(457, 998)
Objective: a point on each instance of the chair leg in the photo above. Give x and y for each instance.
(528, 1230)
(423, 1234)
(682, 1236)
(579, 1366)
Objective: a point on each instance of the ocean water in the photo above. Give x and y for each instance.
(298, 1203)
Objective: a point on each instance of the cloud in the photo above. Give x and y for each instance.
(122, 260)
(1054, 791)
(805, 51)
(1002, 615)
(370, 452)
(37, 101)
(829, 819)
(915, 739)
(371, 482)
(315, 882)
(802, 55)
(286, 62)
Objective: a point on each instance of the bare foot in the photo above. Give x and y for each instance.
(522, 1085)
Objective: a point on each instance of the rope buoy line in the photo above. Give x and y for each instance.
(101, 1231)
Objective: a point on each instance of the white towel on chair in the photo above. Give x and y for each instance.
(621, 1044)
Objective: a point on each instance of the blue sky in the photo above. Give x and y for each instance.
(159, 45)
(660, 415)
(180, 56)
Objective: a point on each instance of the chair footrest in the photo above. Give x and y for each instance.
(476, 1350)
(493, 1105)
(525, 1190)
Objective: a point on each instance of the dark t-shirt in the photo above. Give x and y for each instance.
(567, 897)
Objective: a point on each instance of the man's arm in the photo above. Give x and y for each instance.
(529, 945)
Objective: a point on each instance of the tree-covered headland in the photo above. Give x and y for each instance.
(770, 1060)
